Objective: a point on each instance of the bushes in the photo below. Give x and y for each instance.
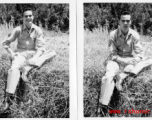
(107, 15)
(50, 16)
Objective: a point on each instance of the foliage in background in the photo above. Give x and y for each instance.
(50, 16)
(107, 15)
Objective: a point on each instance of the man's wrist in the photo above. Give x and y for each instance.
(137, 58)
(120, 60)
(7, 47)
(114, 58)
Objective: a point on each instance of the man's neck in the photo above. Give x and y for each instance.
(124, 32)
(28, 26)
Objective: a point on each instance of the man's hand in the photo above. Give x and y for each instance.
(32, 61)
(35, 57)
(130, 61)
(13, 55)
(126, 61)
(11, 52)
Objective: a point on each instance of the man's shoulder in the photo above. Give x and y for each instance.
(113, 33)
(37, 28)
(134, 33)
(17, 28)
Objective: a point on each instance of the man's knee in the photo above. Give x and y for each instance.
(14, 70)
(108, 78)
(112, 66)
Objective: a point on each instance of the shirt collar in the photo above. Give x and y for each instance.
(120, 33)
(24, 27)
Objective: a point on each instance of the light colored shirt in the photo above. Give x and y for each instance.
(121, 46)
(26, 39)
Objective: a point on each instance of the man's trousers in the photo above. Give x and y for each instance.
(18, 63)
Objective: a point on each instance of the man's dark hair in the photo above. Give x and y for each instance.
(27, 9)
(124, 13)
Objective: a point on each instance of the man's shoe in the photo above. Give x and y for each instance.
(7, 102)
(120, 77)
(102, 110)
(25, 70)
(132, 75)
(5, 106)
(24, 77)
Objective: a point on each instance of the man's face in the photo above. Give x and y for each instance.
(125, 22)
(28, 17)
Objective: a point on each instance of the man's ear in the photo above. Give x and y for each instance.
(118, 22)
(130, 22)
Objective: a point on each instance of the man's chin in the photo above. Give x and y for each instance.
(28, 23)
(126, 28)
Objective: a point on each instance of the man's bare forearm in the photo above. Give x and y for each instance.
(127, 61)
(10, 51)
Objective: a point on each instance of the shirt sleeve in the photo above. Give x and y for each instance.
(112, 47)
(40, 41)
(10, 38)
(137, 48)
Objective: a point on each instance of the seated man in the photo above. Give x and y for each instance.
(30, 46)
(125, 57)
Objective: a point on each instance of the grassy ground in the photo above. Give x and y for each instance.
(47, 94)
(137, 93)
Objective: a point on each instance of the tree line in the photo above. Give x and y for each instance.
(50, 16)
(106, 15)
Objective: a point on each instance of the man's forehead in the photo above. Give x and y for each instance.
(28, 12)
(125, 17)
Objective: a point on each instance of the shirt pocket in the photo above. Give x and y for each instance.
(33, 35)
(129, 43)
(119, 44)
(128, 46)
(23, 36)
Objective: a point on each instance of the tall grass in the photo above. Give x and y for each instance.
(137, 93)
(47, 93)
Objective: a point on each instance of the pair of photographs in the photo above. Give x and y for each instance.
(70, 85)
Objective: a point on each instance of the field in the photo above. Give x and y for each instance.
(47, 93)
(137, 93)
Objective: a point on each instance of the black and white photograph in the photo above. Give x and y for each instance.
(117, 79)
(75, 60)
(34, 60)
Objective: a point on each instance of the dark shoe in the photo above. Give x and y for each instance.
(132, 75)
(7, 102)
(102, 110)
(5, 106)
